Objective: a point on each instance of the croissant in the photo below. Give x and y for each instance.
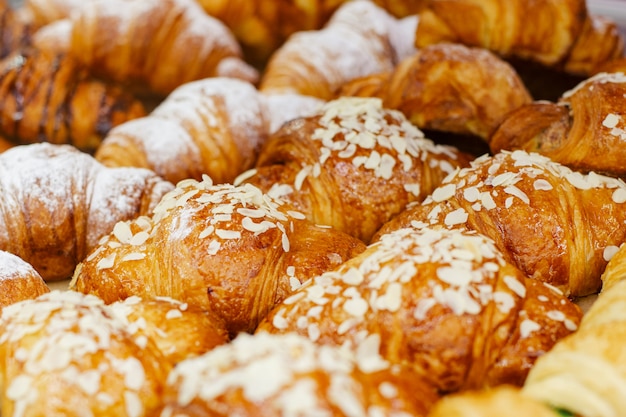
(15, 30)
(57, 202)
(352, 166)
(154, 46)
(448, 87)
(442, 302)
(555, 224)
(288, 375)
(18, 280)
(584, 130)
(51, 98)
(180, 331)
(355, 42)
(585, 373)
(232, 251)
(63, 353)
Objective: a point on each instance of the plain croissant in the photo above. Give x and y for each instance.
(555, 224)
(230, 250)
(57, 202)
(442, 302)
(352, 165)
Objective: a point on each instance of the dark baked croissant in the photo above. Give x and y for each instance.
(18, 280)
(448, 87)
(443, 302)
(57, 202)
(288, 375)
(353, 165)
(48, 97)
(154, 46)
(555, 224)
(63, 353)
(356, 41)
(585, 129)
(232, 251)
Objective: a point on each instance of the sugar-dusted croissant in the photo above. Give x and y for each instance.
(448, 87)
(232, 251)
(63, 353)
(46, 97)
(555, 224)
(585, 129)
(288, 375)
(57, 202)
(153, 46)
(180, 331)
(495, 402)
(442, 302)
(18, 280)
(585, 373)
(355, 42)
(353, 165)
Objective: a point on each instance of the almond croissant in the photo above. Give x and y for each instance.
(353, 165)
(448, 87)
(442, 302)
(356, 41)
(287, 375)
(585, 129)
(153, 46)
(48, 97)
(555, 224)
(57, 202)
(18, 280)
(233, 251)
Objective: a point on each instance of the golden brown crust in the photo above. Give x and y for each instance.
(585, 129)
(502, 26)
(18, 280)
(73, 355)
(555, 224)
(353, 165)
(180, 331)
(230, 250)
(444, 303)
(50, 98)
(277, 375)
(58, 202)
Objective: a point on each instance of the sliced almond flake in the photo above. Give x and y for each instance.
(348, 152)
(508, 202)
(279, 321)
(477, 206)
(413, 189)
(301, 176)
(248, 224)
(244, 176)
(122, 231)
(317, 170)
(356, 307)
(555, 315)
(294, 283)
(487, 201)
(134, 256)
(253, 213)
(173, 314)
(208, 231)
(516, 192)
(298, 215)
(366, 140)
(358, 161)
(292, 299)
(182, 200)
(515, 285)
(443, 193)
(214, 247)
(373, 161)
(346, 325)
(313, 331)
(368, 355)
(542, 185)
(392, 299)
(611, 120)
(352, 277)
(458, 216)
(503, 179)
(570, 325)
(139, 238)
(619, 195)
(385, 167)
(106, 262)
(285, 242)
(471, 194)
(527, 327)
(609, 252)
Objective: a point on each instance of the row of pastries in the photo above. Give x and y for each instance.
(287, 208)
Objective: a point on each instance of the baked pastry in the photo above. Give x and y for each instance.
(555, 224)
(18, 280)
(495, 402)
(288, 375)
(353, 165)
(63, 353)
(179, 331)
(585, 373)
(448, 87)
(442, 302)
(154, 46)
(15, 30)
(355, 42)
(232, 251)
(57, 202)
(585, 129)
(49, 97)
